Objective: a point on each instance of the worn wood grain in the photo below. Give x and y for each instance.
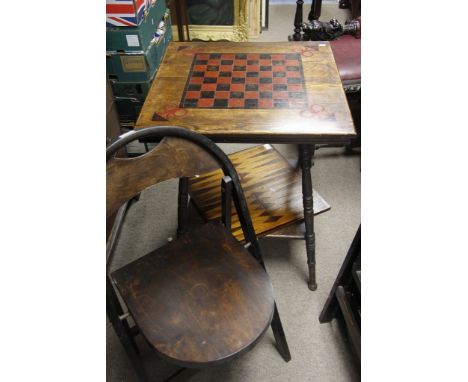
(200, 300)
(272, 188)
(172, 158)
(326, 117)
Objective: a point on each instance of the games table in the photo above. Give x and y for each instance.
(281, 92)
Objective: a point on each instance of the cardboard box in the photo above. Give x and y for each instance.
(122, 39)
(138, 66)
(131, 89)
(125, 13)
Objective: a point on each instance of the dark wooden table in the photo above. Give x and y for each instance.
(281, 92)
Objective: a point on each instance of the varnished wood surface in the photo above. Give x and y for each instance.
(325, 118)
(272, 188)
(172, 158)
(200, 300)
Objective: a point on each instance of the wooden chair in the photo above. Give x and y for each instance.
(344, 299)
(204, 298)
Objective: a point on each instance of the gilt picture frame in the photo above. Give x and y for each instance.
(246, 16)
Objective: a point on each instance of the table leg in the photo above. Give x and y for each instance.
(182, 212)
(306, 153)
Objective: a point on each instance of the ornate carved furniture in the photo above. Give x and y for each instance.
(204, 298)
(255, 93)
(344, 300)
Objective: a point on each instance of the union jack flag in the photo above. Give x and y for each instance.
(125, 13)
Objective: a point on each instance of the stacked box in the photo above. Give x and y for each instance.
(138, 66)
(131, 72)
(125, 13)
(129, 39)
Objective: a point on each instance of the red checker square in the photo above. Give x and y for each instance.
(253, 68)
(196, 80)
(211, 74)
(251, 80)
(253, 56)
(208, 87)
(225, 68)
(279, 68)
(251, 95)
(265, 62)
(292, 63)
(293, 74)
(227, 56)
(238, 74)
(203, 56)
(237, 87)
(277, 57)
(199, 68)
(294, 87)
(234, 102)
(265, 103)
(192, 95)
(280, 80)
(280, 95)
(221, 95)
(205, 102)
(266, 74)
(213, 62)
(265, 87)
(240, 62)
(224, 80)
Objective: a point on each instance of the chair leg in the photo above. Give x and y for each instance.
(121, 328)
(280, 337)
(182, 219)
(306, 153)
(134, 359)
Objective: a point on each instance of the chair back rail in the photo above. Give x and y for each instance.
(127, 177)
(172, 158)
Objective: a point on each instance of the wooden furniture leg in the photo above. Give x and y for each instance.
(315, 10)
(183, 211)
(306, 153)
(298, 21)
(280, 337)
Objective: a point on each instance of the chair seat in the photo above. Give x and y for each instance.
(200, 300)
(272, 188)
(347, 52)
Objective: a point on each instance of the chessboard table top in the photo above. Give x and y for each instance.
(250, 92)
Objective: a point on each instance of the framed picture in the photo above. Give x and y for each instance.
(264, 11)
(215, 20)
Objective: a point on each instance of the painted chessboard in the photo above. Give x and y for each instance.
(245, 81)
(281, 92)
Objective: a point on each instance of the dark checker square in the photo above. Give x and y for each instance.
(209, 80)
(221, 103)
(251, 103)
(207, 94)
(237, 94)
(251, 87)
(252, 74)
(223, 87)
(238, 80)
(245, 81)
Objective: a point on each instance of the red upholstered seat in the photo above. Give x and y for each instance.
(347, 52)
